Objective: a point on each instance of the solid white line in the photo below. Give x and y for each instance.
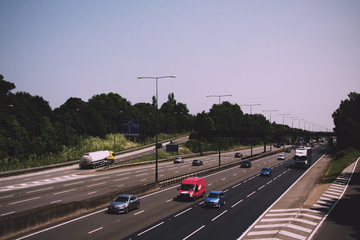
(61, 224)
(255, 233)
(218, 215)
(246, 232)
(285, 210)
(194, 232)
(4, 214)
(95, 230)
(30, 199)
(182, 212)
(149, 229)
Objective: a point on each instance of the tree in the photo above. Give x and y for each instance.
(347, 121)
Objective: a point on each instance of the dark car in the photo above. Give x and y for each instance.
(266, 171)
(238, 155)
(197, 162)
(124, 203)
(245, 164)
(215, 199)
(158, 145)
(288, 150)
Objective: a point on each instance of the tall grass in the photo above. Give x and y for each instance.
(88, 144)
(340, 161)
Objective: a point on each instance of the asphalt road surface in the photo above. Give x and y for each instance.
(162, 217)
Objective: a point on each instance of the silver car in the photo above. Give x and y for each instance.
(124, 203)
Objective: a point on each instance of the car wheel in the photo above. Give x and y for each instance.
(126, 210)
(137, 205)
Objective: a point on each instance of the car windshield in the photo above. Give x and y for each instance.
(187, 187)
(213, 195)
(121, 199)
(266, 169)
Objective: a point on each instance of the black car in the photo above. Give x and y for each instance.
(238, 155)
(197, 162)
(245, 164)
(288, 150)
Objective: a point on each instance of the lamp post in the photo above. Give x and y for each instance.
(270, 111)
(157, 119)
(219, 96)
(250, 105)
(251, 140)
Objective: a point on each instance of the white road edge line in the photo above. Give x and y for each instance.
(262, 215)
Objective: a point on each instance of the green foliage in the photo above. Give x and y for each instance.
(340, 161)
(347, 121)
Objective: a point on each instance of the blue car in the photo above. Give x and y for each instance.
(215, 199)
(266, 171)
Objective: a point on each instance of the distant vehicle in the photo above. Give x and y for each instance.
(245, 164)
(96, 159)
(266, 171)
(124, 203)
(158, 145)
(277, 145)
(191, 188)
(197, 162)
(288, 150)
(281, 157)
(215, 199)
(238, 155)
(178, 160)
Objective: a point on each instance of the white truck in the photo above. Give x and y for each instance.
(302, 158)
(97, 159)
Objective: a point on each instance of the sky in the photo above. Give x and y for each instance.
(299, 57)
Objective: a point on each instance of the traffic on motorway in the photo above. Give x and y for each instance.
(233, 182)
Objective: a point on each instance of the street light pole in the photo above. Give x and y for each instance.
(250, 105)
(270, 125)
(219, 96)
(157, 120)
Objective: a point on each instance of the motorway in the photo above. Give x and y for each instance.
(67, 184)
(162, 217)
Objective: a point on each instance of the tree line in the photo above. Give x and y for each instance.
(28, 125)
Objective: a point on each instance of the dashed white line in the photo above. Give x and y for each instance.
(139, 212)
(70, 190)
(98, 229)
(4, 214)
(251, 194)
(261, 187)
(194, 232)
(182, 212)
(237, 203)
(26, 200)
(218, 215)
(149, 229)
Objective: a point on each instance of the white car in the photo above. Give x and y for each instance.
(281, 157)
(178, 160)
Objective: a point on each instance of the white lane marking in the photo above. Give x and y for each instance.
(251, 194)
(4, 214)
(69, 184)
(139, 212)
(293, 235)
(218, 215)
(194, 232)
(98, 229)
(236, 203)
(56, 201)
(92, 192)
(6, 196)
(182, 212)
(149, 229)
(26, 200)
(39, 190)
(261, 187)
(96, 184)
(70, 190)
(169, 200)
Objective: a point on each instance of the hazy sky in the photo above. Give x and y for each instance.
(298, 57)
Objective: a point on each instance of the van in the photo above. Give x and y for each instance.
(191, 188)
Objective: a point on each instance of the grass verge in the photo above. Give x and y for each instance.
(340, 161)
